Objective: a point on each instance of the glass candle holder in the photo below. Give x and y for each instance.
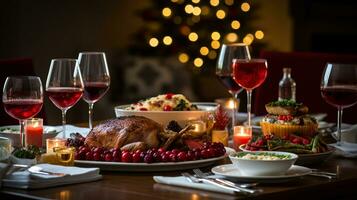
(53, 143)
(65, 156)
(241, 135)
(34, 132)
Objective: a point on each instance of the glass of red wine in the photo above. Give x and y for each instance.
(96, 78)
(249, 74)
(64, 85)
(224, 69)
(339, 89)
(23, 99)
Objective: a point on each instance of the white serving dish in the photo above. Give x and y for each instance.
(164, 117)
(233, 173)
(263, 167)
(48, 132)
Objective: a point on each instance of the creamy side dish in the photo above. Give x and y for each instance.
(263, 156)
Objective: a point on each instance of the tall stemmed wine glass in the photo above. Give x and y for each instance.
(96, 78)
(250, 74)
(224, 69)
(339, 88)
(64, 85)
(23, 99)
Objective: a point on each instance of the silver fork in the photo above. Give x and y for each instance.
(201, 174)
(194, 179)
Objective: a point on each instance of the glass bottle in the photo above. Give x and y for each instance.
(287, 86)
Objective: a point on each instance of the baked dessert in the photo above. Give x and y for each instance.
(288, 117)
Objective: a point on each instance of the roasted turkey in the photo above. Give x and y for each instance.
(130, 133)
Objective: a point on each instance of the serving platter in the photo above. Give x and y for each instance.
(14, 135)
(148, 167)
(232, 172)
(307, 159)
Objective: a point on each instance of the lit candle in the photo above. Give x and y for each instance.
(241, 135)
(54, 143)
(34, 131)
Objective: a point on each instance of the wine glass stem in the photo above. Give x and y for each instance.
(22, 133)
(90, 113)
(339, 123)
(64, 123)
(249, 106)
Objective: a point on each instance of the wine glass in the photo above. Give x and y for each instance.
(96, 78)
(339, 89)
(64, 85)
(23, 99)
(224, 69)
(249, 74)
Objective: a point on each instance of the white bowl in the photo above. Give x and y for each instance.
(263, 167)
(164, 117)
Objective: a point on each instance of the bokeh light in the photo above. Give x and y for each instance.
(220, 14)
(196, 11)
(212, 54)
(198, 62)
(166, 12)
(167, 40)
(188, 8)
(214, 2)
(245, 7)
(235, 24)
(204, 50)
(248, 39)
(231, 37)
(229, 2)
(193, 37)
(215, 44)
(259, 34)
(215, 35)
(183, 57)
(153, 42)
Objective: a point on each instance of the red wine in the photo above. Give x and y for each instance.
(249, 74)
(64, 97)
(22, 108)
(228, 81)
(340, 96)
(93, 91)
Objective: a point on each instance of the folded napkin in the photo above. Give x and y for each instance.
(73, 129)
(26, 180)
(183, 182)
(348, 150)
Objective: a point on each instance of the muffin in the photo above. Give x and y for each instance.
(288, 117)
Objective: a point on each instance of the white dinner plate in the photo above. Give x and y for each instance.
(147, 167)
(48, 132)
(232, 172)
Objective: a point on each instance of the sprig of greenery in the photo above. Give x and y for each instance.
(285, 102)
(29, 152)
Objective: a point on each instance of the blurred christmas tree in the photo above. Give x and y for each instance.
(193, 30)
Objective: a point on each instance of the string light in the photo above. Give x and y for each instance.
(167, 40)
(214, 2)
(198, 62)
(166, 12)
(188, 8)
(205, 10)
(195, 1)
(235, 24)
(212, 54)
(215, 44)
(204, 50)
(153, 42)
(248, 39)
(259, 34)
(229, 2)
(245, 7)
(231, 37)
(215, 35)
(193, 37)
(196, 11)
(220, 14)
(183, 57)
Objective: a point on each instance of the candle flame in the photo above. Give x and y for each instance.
(231, 104)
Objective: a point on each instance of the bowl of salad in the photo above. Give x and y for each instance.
(263, 163)
(167, 107)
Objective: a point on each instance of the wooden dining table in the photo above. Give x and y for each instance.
(140, 185)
